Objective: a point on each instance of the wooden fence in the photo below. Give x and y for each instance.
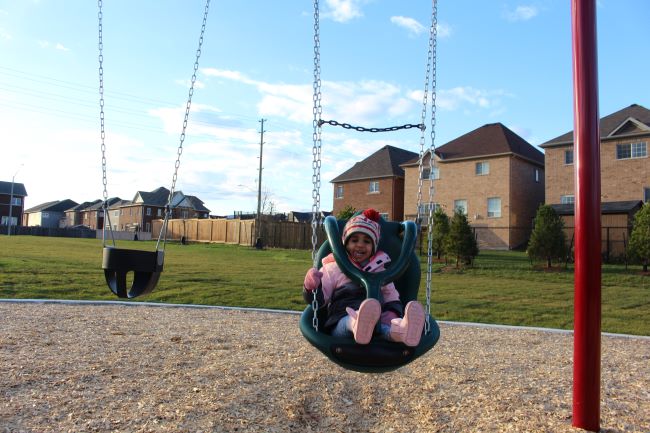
(290, 235)
(48, 231)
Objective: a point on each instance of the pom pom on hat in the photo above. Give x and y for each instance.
(366, 222)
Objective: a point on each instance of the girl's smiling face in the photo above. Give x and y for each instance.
(359, 247)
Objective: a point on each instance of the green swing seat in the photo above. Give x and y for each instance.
(398, 241)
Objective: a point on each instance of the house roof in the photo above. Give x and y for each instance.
(19, 189)
(488, 140)
(610, 207)
(629, 120)
(53, 206)
(98, 204)
(304, 217)
(118, 203)
(157, 197)
(385, 162)
(83, 206)
(197, 204)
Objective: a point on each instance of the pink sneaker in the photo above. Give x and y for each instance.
(363, 320)
(408, 329)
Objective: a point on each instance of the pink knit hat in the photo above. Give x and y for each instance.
(366, 222)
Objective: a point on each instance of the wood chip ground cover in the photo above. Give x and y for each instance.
(113, 368)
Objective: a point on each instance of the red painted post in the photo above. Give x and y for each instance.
(587, 285)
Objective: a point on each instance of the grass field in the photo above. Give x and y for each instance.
(501, 288)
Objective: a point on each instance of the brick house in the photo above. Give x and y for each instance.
(75, 216)
(377, 182)
(92, 215)
(14, 193)
(50, 214)
(138, 214)
(492, 174)
(624, 162)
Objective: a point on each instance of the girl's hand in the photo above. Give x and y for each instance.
(312, 279)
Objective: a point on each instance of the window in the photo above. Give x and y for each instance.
(116, 213)
(148, 211)
(184, 214)
(5, 220)
(427, 174)
(646, 195)
(159, 212)
(631, 150)
(45, 214)
(482, 168)
(148, 227)
(16, 201)
(537, 175)
(339, 191)
(568, 157)
(567, 199)
(384, 215)
(424, 208)
(494, 207)
(461, 205)
(374, 187)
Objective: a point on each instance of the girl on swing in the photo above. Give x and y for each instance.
(349, 313)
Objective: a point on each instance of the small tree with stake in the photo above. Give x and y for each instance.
(460, 241)
(439, 231)
(640, 238)
(548, 240)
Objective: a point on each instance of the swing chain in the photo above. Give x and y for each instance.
(163, 230)
(316, 152)
(432, 150)
(429, 78)
(100, 15)
(362, 129)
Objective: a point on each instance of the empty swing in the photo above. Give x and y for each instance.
(117, 263)
(398, 240)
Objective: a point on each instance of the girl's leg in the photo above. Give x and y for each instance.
(343, 328)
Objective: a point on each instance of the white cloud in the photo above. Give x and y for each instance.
(348, 102)
(521, 13)
(220, 151)
(414, 27)
(443, 30)
(469, 98)
(5, 35)
(343, 10)
(47, 45)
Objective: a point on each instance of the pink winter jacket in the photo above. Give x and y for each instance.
(333, 276)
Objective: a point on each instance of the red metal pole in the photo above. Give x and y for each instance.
(587, 285)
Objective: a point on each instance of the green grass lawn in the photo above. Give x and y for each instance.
(501, 288)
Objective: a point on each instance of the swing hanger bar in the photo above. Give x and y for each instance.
(419, 126)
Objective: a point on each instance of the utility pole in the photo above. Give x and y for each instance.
(258, 237)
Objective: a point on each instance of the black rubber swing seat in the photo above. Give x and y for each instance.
(145, 265)
(398, 240)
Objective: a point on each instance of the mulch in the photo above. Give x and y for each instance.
(117, 368)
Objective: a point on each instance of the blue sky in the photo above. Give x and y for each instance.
(498, 61)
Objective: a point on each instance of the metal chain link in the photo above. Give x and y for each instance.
(363, 129)
(316, 153)
(100, 16)
(163, 229)
(188, 105)
(432, 151)
(430, 77)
